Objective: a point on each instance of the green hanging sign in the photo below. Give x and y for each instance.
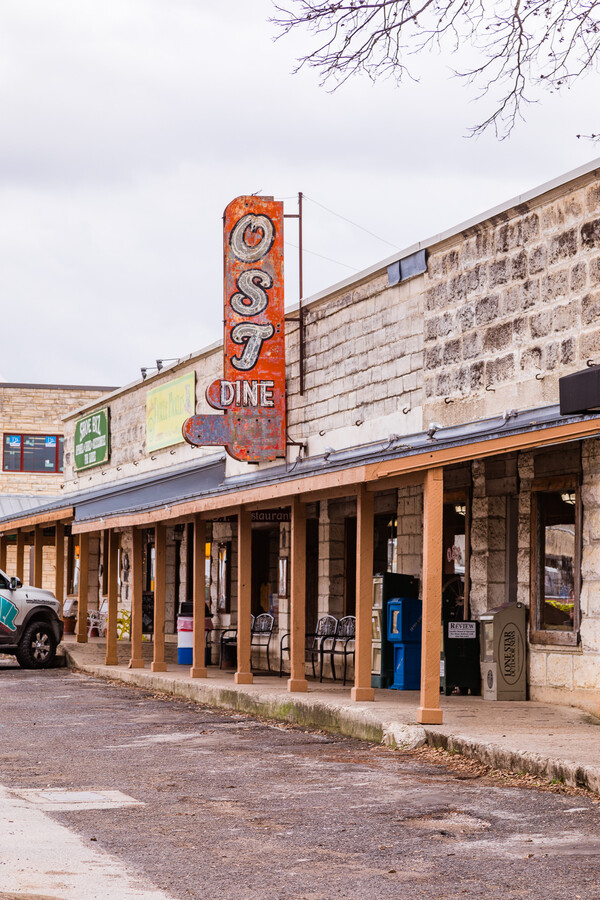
(92, 439)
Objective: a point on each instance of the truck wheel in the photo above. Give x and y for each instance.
(37, 647)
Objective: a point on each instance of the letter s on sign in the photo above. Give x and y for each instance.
(253, 285)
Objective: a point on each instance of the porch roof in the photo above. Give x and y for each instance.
(201, 487)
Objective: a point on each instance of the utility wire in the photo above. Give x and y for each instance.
(320, 255)
(350, 222)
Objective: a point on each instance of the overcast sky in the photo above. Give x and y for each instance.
(127, 127)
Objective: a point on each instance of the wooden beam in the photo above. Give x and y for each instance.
(38, 557)
(160, 587)
(59, 569)
(3, 552)
(429, 712)
(362, 689)
(111, 658)
(198, 669)
(307, 487)
(244, 637)
(83, 587)
(57, 515)
(137, 587)
(297, 680)
(20, 560)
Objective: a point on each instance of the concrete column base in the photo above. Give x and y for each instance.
(299, 685)
(427, 716)
(136, 664)
(82, 639)
(111, 661)
(158, 667)
(360, 694)
(243, 678)
(197, 672)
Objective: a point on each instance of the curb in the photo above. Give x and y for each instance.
(357, 722)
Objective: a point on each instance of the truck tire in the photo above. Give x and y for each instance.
(37, 647)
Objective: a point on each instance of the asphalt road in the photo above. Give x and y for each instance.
(235, 809)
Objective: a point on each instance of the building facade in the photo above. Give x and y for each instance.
(427, 440)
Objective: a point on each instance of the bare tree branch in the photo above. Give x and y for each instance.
(518, 45)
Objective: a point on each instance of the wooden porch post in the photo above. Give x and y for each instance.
(429, 712)
(362, 689)
(137, 586)
(160, 548)
(82, 602)
(19, 564)
(297, 680)
(198, 669)
(244, 637)
(3, 552)
(111, 658)
(59, 572)
(38, 556)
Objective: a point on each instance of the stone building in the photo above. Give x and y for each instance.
(427, 440)
(32, 433)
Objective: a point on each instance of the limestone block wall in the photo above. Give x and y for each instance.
(410, 531)
(572, 675)
(515, 297)
(37, 409)
(364, 361)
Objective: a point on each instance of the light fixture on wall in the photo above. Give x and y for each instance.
(161, 362)
(569, 498)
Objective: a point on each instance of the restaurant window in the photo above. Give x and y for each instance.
(33, 453)
(455, 560)
(557, 554)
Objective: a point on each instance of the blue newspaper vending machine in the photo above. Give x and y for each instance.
(404, 632)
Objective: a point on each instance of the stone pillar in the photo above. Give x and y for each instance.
(410, 530)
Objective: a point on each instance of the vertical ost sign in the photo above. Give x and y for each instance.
(252, 392)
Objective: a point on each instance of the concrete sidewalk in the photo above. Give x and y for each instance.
(554, 742)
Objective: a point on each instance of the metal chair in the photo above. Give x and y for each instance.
(315, 640)
(261, 632)
(344, 637)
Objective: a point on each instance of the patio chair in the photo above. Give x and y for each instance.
(315, 641)
(96, 618)
(261, 632)
(342, 644)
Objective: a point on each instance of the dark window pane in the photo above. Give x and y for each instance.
(558, 550)
(39, 453)
(12, 453)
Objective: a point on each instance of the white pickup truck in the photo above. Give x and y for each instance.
(30, 623)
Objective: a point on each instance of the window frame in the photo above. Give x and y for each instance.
(538, 632)
(58, 456)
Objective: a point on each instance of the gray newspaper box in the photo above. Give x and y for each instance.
(503, 653)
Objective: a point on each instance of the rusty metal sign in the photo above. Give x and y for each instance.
(251, 395)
